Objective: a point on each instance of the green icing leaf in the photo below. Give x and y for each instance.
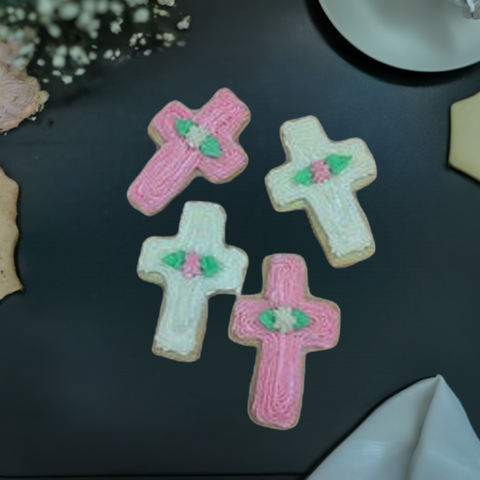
(183, 126)
(209, 266)
(211, 147)
(175, 259)
(304, 177)
(338, 163)
(303, 320)
(268, 319)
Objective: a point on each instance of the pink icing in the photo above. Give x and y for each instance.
(278, 390)
(321, 172)
(174, 165)
(191, 267)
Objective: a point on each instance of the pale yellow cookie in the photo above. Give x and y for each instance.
(465, 140)
(9, 281)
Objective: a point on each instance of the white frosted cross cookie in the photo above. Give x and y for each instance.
(322, 177)
(191, 267)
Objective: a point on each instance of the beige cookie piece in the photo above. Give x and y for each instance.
(465, 138)
(322, 177)
(9, 281)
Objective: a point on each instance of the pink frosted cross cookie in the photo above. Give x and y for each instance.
(191, 143)
(284, 322)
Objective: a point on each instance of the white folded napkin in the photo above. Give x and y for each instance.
(422, 433)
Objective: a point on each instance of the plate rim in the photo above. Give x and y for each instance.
(331, 18)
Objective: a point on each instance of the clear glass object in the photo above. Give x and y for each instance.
(471, 8)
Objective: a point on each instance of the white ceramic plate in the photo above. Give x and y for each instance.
(419, 35)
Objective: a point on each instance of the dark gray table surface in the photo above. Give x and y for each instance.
(81, 392)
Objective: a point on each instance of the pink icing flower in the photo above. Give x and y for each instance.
(176, 163)
(278, 388)
(320, 171)
(191, 267)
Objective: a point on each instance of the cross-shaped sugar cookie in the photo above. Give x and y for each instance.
(191, 143)
(191, 267)
(284, 322)
(322, 177)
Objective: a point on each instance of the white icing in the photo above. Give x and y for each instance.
(284, 320)
(184, 307)
(341, 218)
(333, 202)
(196, 135)
(202, 229)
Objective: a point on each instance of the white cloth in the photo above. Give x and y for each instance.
(422, 433)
